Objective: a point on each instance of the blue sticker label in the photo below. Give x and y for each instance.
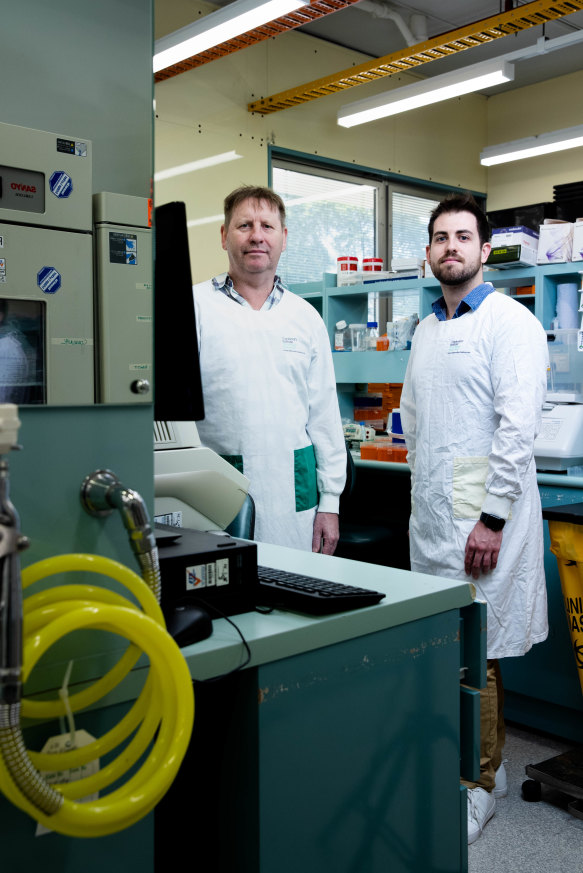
(60, 184)
(48, 280)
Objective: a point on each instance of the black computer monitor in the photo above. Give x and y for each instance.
(178, 394)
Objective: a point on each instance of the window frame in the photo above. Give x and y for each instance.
(387, 183)
(315, 168)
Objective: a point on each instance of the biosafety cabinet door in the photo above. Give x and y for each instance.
(46, 316)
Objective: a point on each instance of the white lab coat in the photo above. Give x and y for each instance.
(471, 408)
(270, 394)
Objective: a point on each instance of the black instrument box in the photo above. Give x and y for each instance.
(214, 570)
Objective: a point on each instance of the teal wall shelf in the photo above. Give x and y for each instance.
(351, 304)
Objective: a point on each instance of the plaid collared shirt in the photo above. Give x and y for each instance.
(224, 283)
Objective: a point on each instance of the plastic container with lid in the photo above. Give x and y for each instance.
(372, 265)
(347, 263)
(368, 451)
(342, 337)
(358, 337)
(368, 408)
(565, 374)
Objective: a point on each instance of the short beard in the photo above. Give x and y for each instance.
(461, 278)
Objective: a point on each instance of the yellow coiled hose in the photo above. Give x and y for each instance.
(165, 704)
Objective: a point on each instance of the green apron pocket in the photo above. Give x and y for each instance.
(305, 478)
(235, 461)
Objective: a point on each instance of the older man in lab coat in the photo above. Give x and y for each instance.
(270, 391)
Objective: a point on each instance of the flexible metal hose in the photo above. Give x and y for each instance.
(150, 570)
(15, 756)
(101, 492)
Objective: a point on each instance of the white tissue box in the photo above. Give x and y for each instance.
(555, 244)
(577, 253)
(515, 236)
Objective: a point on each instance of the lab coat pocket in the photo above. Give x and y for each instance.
(468, 490)
(306, 488)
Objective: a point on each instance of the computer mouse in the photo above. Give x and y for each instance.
(188, 623)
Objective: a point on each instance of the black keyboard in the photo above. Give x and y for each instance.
(283, 590)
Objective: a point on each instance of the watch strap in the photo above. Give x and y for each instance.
(492, 522)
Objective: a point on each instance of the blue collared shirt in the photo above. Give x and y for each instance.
(224, 283)
(471, 301)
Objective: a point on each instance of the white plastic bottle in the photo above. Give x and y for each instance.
(342, 337)
(372, 335)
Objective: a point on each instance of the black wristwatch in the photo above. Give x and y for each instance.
(493, 522)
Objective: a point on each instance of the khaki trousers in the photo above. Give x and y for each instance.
(492, 732)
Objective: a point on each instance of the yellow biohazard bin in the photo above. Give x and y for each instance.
(566, 531)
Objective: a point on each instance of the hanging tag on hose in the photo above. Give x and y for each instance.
(62, 743)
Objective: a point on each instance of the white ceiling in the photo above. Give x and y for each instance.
(357, 28)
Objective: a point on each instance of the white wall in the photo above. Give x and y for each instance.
(536, 109)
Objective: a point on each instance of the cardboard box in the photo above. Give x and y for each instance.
(348, 277)
(555, 244)
(515, 236)
(405, 265)
(376, 276)
(577, 252)
(511, 256)
(371, 278)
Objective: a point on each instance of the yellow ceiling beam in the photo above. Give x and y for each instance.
(479, 32)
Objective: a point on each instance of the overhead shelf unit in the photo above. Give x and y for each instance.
(351, 304)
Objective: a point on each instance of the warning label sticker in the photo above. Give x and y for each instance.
(123, 248)
(210, 575)
(72, 147)
(574, 610)
(174, 519)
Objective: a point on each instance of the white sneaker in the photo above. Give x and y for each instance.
(501, 784)
(481, 806)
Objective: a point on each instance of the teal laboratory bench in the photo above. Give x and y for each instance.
(336, 749)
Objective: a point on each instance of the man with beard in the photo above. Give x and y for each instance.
(471, 409)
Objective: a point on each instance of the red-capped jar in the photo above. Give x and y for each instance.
(372, 265)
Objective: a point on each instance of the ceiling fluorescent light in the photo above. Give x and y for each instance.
(427, 92)
(201, 164)
(210, 219)
(532, 146)
(217, 27)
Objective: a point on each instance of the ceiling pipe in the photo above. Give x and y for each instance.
(412, 35)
